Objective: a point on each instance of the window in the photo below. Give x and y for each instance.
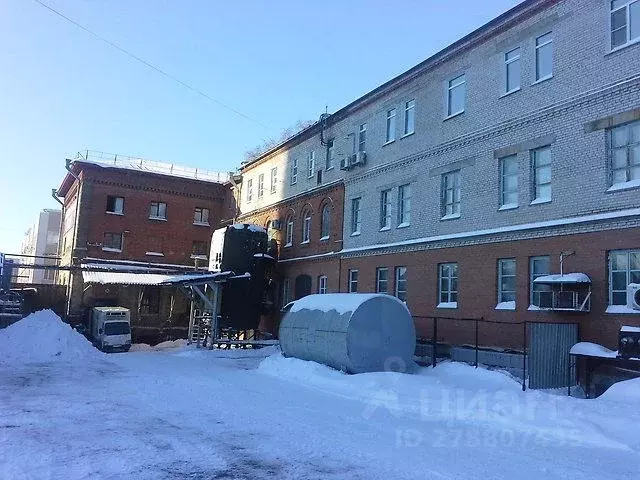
(249, 190)
(541, 166)
(289, 232)
(385, 210)
(507, 280)
(286, 291)
(625, 22)
(404, 205)
(391, 125)
(311, 164)
(322, 284)
(451, 195)
(355, 216)
(382, 279)
(260, 185)
(512, 70)
(538, 267)
(49, 273)
(115, 205)
(329, 161)
(624, 268)
(362, 138)
(544, 57)
(112, 242)
(456, 95)
(150, 302)
(401, 283)
(509, 182)
(624, 153)
(306, 227)
(353, 281)
(201, 216)
(199, 249)
(409, 117)
(448, 285)
(158, 211)
(155, 246)
(274, 179)
(294, 171)
(325, 222)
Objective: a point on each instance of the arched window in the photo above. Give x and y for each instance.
(325, 222)
(289, 231)
(271, 232)
(306, 226)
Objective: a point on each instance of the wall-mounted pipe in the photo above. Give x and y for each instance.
(54, 195)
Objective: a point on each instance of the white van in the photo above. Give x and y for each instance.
(111, 328)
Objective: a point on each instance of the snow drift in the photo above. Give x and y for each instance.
(43, 337)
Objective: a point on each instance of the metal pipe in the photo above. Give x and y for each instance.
(524, 358)
(476, 343)
(54, 195)
(434, 343)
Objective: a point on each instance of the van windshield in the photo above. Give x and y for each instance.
(116, 328)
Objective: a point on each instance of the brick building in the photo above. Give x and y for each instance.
(466, 177)
(121, 214)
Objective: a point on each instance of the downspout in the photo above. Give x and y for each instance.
(54, 195)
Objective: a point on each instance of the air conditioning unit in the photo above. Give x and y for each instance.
(347, 162)
(361, 158)
(276, 224)
(545, 300)
(633, 296)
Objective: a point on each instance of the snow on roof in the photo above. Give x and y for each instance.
(564, 278)
(250, 226)
(110, 160)
(340, 302)
(121, 278)
(592, 350)
(629, 329)
(263, 255)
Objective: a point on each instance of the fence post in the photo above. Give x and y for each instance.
(524, 358)
(477, 341)
(434, 342)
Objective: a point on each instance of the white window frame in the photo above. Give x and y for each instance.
(459, 82)
(330, 153)
(289, 232)
(448, 298)
(505, 192)
(511, 58)
(306, 227)
(451, 183)
(380, 280)
(631, 274)
(325, 222)
(356, 217)
(628, 40)
(505, 295)
(261, 185)
(362, 138)
(322, 284)
(400, 287)
(294, 171)
(535, 288)
(409, 117)
(201, 216)
(353, 280)
(286, 291)
(630, 170)
(250, 190)
(311, 164)
(539, 45)
(391, 126)
(536, 168)
(274, 179)
(160, 213)
(404, 205)
(385, 209)
(112, 235)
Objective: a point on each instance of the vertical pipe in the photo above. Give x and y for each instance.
(434, 342)
(477, 342)
(524, 357)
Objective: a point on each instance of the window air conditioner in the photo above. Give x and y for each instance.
(545, 299)
(361, 158)
(633, 296)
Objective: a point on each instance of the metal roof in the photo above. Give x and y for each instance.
(566, 278)
(120, 278)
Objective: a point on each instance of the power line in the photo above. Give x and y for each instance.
(150, 65)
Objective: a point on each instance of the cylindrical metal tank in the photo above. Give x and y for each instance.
(352, 332)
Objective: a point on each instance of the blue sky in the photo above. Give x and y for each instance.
(63, 91)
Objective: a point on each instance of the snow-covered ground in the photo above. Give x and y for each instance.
(178, 412)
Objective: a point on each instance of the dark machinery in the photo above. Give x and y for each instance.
(629, 342)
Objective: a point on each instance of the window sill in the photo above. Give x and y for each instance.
(540, 201)
(542, 80)
(113, 250)
(507, 306)
(199, 257)
(202, 224)
(408, 134)
(293, 183)
(324, 239)
(288, 245)
(328, 169)
(159, 219)
(385, 229)
(114, 213)
(511, 92)
(154, 254)
(451, 216)
(272, 192)
(622, 47)
(355, 234)
(508, 206)
(535, 308)
(389, 142)
(616, 187)
(453, 115)
(404, 225)
(621, 310)
(447, 305)
(306, 242)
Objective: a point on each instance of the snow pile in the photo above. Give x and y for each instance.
(627, 392)
(140, 347)
(43, 337)
(180, 343)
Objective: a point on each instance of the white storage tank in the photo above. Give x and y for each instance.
(352, 332)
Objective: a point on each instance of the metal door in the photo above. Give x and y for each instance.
(548, 359)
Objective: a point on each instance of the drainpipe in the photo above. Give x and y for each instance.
(54, 195)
